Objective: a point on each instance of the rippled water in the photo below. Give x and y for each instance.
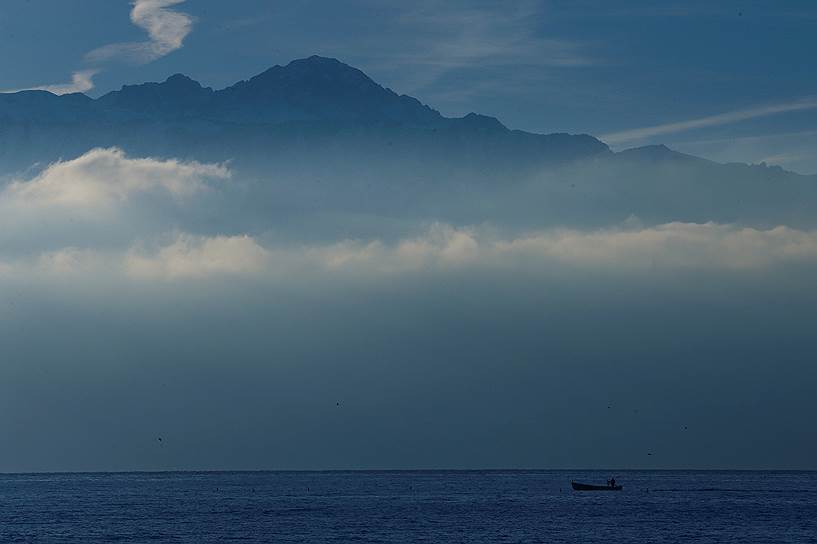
(424, 506)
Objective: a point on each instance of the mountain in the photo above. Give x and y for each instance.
(311, 95)
(335, 137)
(315, 89)
(177, 97)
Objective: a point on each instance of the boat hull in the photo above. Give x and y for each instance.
(588, 487)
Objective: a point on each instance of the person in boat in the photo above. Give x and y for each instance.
(611, 482)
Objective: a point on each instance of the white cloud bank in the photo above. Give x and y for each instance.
(165, 27)
(103, 199)
(185, 257)
(50, 226)
(103, 178)
(198, 257)
(676, 246)
(442, 249)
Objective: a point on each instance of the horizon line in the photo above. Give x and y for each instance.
(393, 470)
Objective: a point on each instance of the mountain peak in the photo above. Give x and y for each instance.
(182, 81)
(320, 88)
(317, 60)
(314, 71)
(318, 63)
(481, 122)
(656, 152)
(178, 94)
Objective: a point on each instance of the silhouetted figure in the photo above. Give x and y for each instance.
(612, 482)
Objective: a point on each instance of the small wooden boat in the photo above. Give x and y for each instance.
(588, 487)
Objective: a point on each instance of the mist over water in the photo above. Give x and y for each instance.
(314, 287)
(469, 365)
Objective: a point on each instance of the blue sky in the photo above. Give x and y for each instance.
(537, 65)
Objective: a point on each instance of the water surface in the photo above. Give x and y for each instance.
(420, 506)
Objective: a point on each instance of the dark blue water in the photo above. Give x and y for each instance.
(493, 506)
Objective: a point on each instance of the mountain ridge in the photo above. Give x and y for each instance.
(311, 107)
(319, 135)
(311, 89)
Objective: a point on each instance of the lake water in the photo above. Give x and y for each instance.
(421, 506)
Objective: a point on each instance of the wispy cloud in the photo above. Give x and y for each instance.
(793, 150)
(754, 137)
(166, 30)
(735, 116)
(81, 81)
(241, 23)
(441, 38)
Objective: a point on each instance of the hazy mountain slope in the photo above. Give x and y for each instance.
(318, 135)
